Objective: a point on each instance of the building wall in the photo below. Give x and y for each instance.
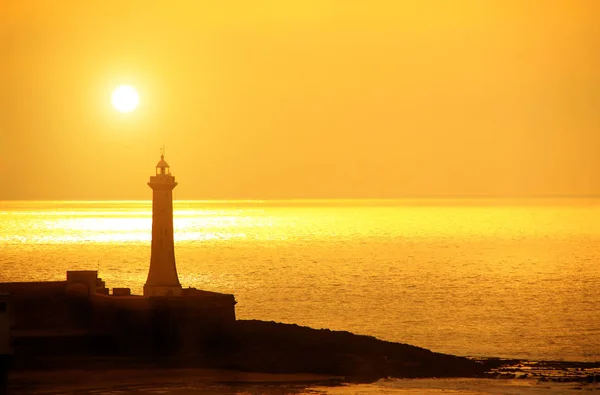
(50, 316)
(5, 324)
(34, 288)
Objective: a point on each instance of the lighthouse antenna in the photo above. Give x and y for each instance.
(162, 150)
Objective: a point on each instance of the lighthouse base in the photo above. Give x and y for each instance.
(162, 290)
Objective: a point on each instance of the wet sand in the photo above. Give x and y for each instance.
(509, 376)
(207, 381)
(136, 380)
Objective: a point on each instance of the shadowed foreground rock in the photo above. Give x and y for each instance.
(285, 348)
(254, 346)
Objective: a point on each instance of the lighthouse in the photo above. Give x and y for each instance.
(162, 276)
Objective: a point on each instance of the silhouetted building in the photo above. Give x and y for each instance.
(5, 349)
(162, 276)
(4, 325)
(81, 315)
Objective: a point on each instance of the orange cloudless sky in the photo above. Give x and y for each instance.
(300, 99)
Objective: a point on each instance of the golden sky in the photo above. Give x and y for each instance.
(298, 99)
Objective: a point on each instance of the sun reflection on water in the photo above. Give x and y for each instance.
(129, 224)
(126, 222)
(458, 277)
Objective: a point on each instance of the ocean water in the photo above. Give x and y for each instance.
(504, 278)
(469, 277)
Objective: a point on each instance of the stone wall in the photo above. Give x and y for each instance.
(69, 315)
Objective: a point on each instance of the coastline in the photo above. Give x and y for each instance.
(549, 371)
(551, 377)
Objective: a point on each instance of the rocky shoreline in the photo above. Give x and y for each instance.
(283, 348)
(552, 371)
(266, 347)
(269, 351)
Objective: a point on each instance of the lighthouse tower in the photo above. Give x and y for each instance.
(162, 276)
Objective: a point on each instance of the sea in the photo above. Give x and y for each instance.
(510, 278)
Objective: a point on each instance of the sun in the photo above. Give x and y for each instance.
(125, 98)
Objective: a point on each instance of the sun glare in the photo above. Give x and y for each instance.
(125, 98)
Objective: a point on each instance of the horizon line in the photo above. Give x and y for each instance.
(257, 200)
